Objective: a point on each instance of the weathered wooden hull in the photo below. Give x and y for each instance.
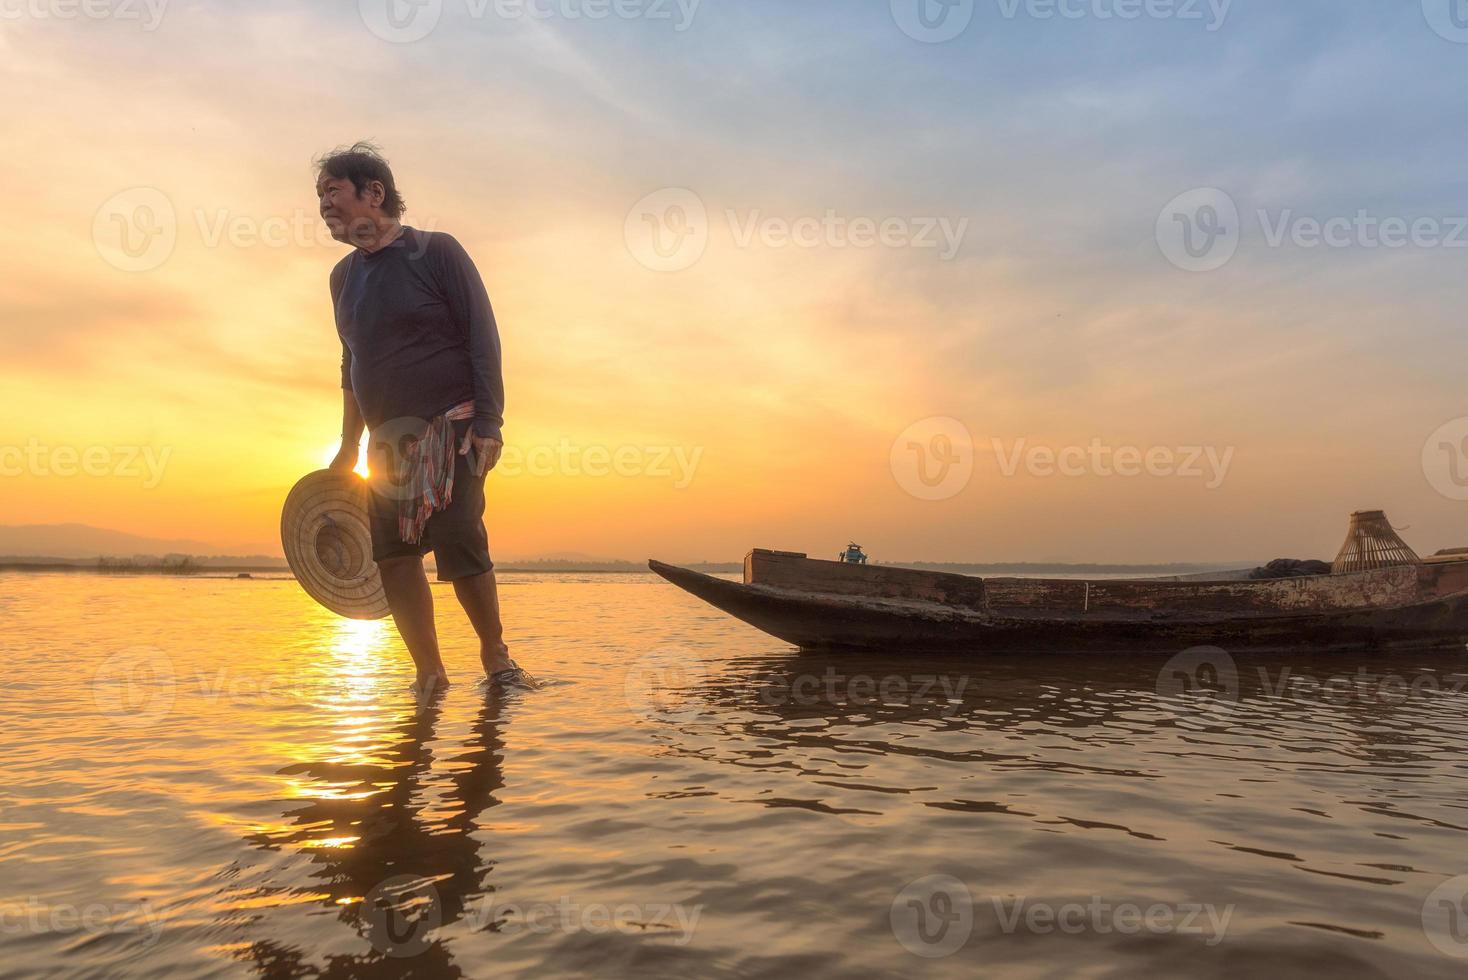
(828, 606)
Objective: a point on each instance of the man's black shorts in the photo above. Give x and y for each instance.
(455, 534)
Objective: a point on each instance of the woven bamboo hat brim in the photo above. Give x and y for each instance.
(324, 531)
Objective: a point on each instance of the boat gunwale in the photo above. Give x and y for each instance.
(813, 621)
(999, 614)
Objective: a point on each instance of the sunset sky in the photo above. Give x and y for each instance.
(786, 371)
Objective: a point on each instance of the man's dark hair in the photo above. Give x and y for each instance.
(362, 163)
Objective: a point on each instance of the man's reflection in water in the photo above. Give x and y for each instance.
(409, 871)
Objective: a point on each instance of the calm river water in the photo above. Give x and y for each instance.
(209, 777)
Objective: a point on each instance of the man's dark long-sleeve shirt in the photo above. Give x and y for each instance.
(418, 334)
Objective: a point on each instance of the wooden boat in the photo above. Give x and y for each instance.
(827, 605)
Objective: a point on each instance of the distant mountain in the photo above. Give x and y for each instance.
(84, 541)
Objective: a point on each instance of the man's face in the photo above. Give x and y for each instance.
(349, 216)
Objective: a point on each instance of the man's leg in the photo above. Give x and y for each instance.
(481, 601)
(411, 602)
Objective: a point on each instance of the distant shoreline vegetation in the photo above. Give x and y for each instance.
(141, 564)
(196, 565)
(171, 565)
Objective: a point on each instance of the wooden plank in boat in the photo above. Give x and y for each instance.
(793, 570)
(1386, 587)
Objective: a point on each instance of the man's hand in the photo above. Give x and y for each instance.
(346, 459)
(483, 451)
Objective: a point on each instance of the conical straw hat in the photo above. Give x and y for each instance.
(324, 531)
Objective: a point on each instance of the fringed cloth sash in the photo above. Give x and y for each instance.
(428, 477)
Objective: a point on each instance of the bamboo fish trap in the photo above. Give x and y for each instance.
(1372, 543)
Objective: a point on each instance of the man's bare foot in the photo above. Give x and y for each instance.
(430, 683)
(504, 673)
(513, 678)
(495, 658)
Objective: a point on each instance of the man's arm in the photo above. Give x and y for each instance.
(352, 422)
(469, 305)
(353, 425)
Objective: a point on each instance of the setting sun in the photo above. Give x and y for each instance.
(329, 453)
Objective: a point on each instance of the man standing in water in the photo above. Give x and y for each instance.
(421, 371)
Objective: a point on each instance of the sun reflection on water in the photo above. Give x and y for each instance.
(357, 671)
(357, 648)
